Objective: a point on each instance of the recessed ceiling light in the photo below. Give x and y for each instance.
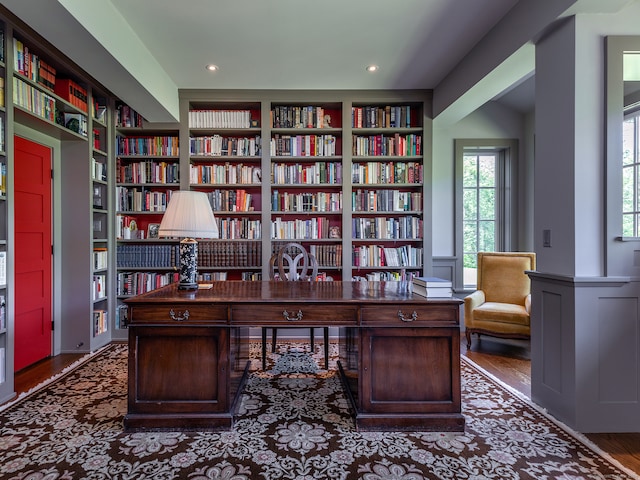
(212, 68)
(372, 68)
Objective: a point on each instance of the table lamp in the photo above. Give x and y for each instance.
(188, 216)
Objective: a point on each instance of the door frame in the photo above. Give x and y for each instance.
(56, 234)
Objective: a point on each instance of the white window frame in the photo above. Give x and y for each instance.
(507, 152)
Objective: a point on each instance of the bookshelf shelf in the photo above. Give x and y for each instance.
(52, 129)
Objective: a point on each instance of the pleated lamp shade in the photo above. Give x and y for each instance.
(188, 215)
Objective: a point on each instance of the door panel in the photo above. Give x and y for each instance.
(33, 284)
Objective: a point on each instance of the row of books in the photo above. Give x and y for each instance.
(72, 92)
(122, 316)
(100, 258)
(100, 322)
(211, 276)
(379, 256)
(127, 117)
(219, 146)
(388, 116)
(27, 63)
(3, 268)
(131, 255)
(3, 178)
(97, 139)
(156, 146)
(293, 116)
(387, 172)
(99, 285)
(30, 98)
(229, 254)
(306, 202)
(327, 255)
(432, 287)
(391, 276)
(2, 92)
(98, 169)
(239, 228)
(385, 201)
(76, 122)
(303, 145)
(3, 363)
(204, 118)
(230, 200)
(318, 173)
(225, 174)
(300, 229)
(137, 283)
(149, 171)
(141, 200)
(392, 145)
(3, 314)
(387, 228)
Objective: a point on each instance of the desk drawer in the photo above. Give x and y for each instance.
(179, 314)
(410, 315)
(302, 314)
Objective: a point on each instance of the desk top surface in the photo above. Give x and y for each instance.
(274, 291)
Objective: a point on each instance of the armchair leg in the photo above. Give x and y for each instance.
(468, 335)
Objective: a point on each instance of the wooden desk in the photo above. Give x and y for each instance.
(399, 353)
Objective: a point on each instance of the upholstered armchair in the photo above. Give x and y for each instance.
(501, 305)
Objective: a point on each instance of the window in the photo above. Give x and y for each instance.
(480, 203)
(631, 176)
(485, 169)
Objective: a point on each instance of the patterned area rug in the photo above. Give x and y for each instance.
(290, 426)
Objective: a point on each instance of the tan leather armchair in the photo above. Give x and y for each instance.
(501, 306)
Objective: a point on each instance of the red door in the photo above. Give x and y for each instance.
(32, 214)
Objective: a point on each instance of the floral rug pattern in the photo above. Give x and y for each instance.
(293, 426)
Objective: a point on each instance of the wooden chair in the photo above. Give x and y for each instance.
(292, 263)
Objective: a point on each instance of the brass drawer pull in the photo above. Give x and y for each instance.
(286, 316)
(179, 318)
(414, 316)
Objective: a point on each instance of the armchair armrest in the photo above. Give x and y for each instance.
(527, 304)
(472, 301)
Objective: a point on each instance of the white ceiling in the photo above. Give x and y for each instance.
(144, 51)
(305, 44)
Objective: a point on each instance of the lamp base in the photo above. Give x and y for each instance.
(188, 264)
(187, 286)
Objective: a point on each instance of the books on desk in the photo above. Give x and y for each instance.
(432, 287)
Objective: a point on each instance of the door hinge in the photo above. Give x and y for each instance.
(51, 249)
(52, 325)
(52, 174)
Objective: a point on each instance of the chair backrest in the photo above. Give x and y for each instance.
(293, 263)
(502, 277)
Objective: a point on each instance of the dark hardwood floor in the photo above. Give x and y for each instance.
(506, 359)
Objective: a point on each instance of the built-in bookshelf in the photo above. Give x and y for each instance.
(307, 179)
(6, 363)
(48, 103)
(387, 204)
(225, 161)
(147, 172)
(343, 174)
(101, 204)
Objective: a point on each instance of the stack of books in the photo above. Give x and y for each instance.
(432, 287)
